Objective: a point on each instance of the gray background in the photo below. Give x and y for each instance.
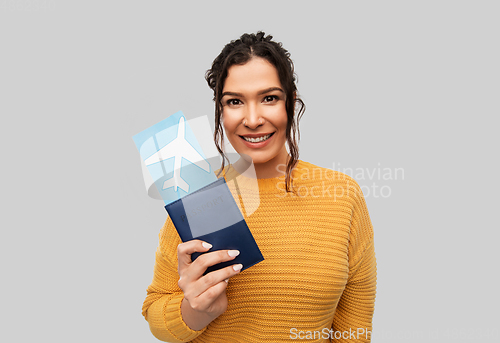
(387, 84)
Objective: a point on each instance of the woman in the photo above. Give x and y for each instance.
(318, 279)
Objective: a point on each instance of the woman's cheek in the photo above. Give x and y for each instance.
(230, 118)
(279, 116)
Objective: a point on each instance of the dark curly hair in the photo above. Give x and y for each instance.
(240, 51)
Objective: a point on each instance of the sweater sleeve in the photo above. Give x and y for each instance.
(353, 318)
(162, 307)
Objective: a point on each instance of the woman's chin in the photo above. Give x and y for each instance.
(246, 158)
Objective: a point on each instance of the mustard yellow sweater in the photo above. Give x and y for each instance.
(317, 282)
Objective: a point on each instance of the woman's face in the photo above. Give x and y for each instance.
(254, 113)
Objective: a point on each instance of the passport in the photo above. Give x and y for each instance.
(210, 214)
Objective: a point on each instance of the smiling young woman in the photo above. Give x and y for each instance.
(244, 70)
(254, 115)
(318, 279)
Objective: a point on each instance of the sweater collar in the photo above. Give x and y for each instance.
(247, 180)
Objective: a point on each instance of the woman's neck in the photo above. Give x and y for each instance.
(273, 168)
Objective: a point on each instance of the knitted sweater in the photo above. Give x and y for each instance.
(318, 279)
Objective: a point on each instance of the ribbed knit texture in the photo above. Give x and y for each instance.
(319, 271)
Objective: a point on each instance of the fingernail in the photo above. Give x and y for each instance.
(233, 253)
(227, 280)
(237, 267)
(206, 245)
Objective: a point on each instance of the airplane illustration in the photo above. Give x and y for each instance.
(179, 148)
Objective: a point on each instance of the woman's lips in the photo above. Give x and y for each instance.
(257, 140)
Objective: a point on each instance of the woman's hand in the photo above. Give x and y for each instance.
(204, 295)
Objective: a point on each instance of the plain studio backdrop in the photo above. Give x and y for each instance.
(400, 95)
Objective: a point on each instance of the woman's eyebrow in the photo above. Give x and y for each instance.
(271, 89)
(232, 94)
(264, 91)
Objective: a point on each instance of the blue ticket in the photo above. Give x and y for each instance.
(174, 158)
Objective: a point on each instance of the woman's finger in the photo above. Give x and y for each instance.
(200, 265)
(186, 249)
(208, 299)
(204, 293)
(193, 282)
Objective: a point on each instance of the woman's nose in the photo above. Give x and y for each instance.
(253, 118)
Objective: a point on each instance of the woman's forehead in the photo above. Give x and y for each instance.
(255, 75)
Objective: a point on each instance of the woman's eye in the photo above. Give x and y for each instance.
(233, 102)
(270, 98)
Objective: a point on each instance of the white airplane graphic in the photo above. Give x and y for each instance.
(179, 148)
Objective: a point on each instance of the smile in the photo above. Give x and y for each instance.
(257, 139)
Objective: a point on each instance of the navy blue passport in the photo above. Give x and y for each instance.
(210, 214)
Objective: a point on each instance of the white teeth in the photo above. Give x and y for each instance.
(258, 139)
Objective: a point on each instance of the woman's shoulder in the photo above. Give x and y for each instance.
(326, 181)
